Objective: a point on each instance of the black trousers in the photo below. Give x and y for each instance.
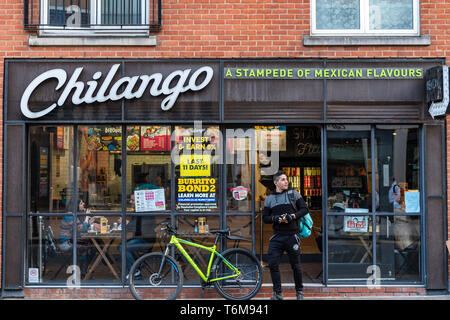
(277, 245)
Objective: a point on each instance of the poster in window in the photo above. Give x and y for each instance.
(356, 224)
(133, 138)
(149, 200)
(197, 182)
(155, 138)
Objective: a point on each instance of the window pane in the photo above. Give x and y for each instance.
(337, 14)
(398, 248)
(48, 260)
(73, 13)
(197, 173)
(185, 226)
(148, 167)
(121, 12)
(349, 247)
(239, 173)
(51, 168)
(143, 236)
(100, 167)
(391, 14)
(240, 226)
(98, 254)
(349, 176)
(398, 173)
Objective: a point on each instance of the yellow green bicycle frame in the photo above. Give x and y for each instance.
(177, 242)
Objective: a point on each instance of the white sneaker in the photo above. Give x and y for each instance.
(137, 274)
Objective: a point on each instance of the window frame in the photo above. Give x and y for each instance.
(364, 30)
(94, 29)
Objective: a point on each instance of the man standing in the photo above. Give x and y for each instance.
(279, 211)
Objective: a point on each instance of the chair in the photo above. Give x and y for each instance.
(51, 249)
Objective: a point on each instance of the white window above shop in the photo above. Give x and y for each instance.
(365, 17)
(94, 17)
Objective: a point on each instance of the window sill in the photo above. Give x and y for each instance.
(124, 41)
(366, 40)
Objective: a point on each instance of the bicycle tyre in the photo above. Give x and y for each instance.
(244, 287)
(149, 284)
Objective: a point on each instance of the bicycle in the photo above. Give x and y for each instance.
(236, 273)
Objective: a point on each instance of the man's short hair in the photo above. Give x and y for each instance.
(277, 175)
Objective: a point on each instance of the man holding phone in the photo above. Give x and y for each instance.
(285, 218)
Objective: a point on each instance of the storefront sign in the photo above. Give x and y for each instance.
(172, 86)
(441, 91)
(324, 73)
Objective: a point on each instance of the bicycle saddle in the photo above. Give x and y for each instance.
(222, 231)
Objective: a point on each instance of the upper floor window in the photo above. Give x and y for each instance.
(94, 16)
(365, 17)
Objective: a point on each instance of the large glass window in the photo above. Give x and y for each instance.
(197, 169)
(348, 159)
(51, 168)
(100, 167)
(365, 17)
(379, 227)
(90, 16)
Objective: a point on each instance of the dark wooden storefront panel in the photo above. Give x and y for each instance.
(435, 220)
(273, 99)
(13, 212)
(13, 251)
(375, 100)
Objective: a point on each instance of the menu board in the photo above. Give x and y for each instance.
(149, 200)
(155, 138)
(105, 138)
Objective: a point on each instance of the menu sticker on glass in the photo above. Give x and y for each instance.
(239, 193)
(356, 224)
(412, 201)
(149, 200)
(155, 138)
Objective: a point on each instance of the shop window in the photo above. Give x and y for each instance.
(393, 208)
(399, 248)
(239, 171)
(240, 226)
(48, 259)
(197, 169)
(148, 167)
(195, 229)
(349, 247)
(349, 184)
(398, 169)
(51, 168)
(94, 16)
(365, 17)
(100, 167)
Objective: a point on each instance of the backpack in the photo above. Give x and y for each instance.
(306, 222)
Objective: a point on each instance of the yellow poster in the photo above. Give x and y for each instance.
(195, 165)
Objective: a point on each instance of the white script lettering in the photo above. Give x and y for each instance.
(133, 87)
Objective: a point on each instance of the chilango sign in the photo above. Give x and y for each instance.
(100, 90)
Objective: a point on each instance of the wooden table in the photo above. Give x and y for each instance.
(102, 247)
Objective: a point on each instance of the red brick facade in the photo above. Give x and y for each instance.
(226, 29)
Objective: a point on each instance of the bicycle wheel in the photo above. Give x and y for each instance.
(148, 282)
(247, 284)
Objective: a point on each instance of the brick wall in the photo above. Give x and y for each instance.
(210, 293)
(225, 29)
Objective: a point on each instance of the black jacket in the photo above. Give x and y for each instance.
(278, 204)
